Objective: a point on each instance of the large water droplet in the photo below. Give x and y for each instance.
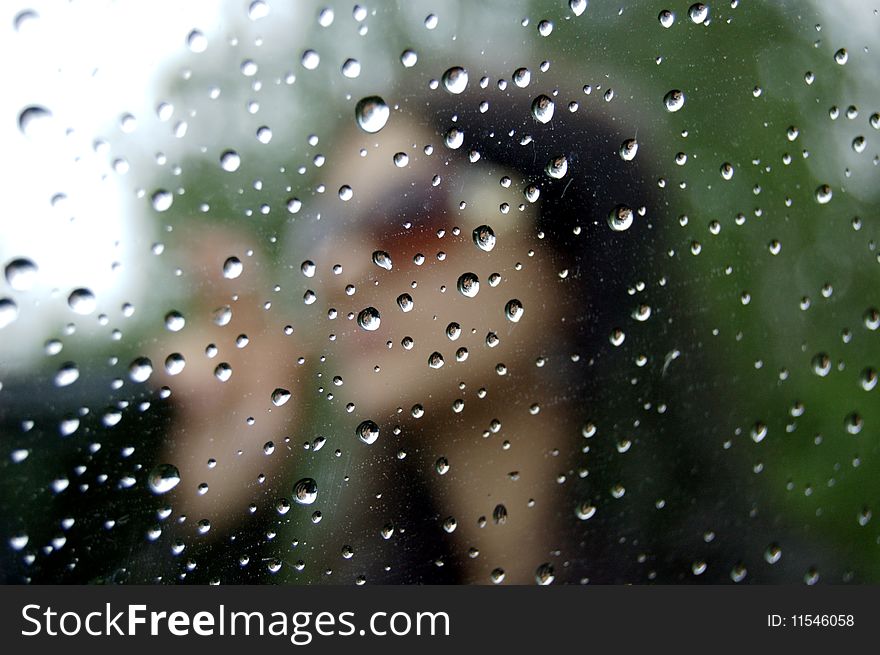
(21, 274)
(140, 369)
(230, 161)
(666, 18)
(66, 375)
(544, 574)
(469, 285)
(513, 310)
(455, 79)
(31, 117)
(628, 149)
(371, 114)
(162, 200)
(369, 319)
(620, 218)
(163, 478)
(823, 194)
(698, 13)
(82, 301)
(367, 431)
(484, 238)
(232, 268)
(305, 492)
(280, 397)
(674, 100)
(577, 6)
(197, 41)
(542, 108)
(382, 259)
(557, 167)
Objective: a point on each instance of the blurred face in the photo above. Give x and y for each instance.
(420, 317)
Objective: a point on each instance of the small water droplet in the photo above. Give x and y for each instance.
(230, 161)
(543, 108)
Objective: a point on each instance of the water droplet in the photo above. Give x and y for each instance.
(367, 432)
(163, 478)
(8, 312)
(82, 301)
(351, 68)
(31, 117)
(542, 109)
(405, 302)
(401, 159)
(371, 114)
(522, 77)
(513, 310)
(382, 259)
(310, 59)
(585, 511)
(628, 149)
(868, 379)
(666, 18)
(174, 321)
(821, 364)
(454, 138)
(698, 13)
(174, 364)
(345, 193)
(469, 285)
(442, 466)
(197, 41)
(257, 10)
(409, 58)
(499, 514)
(453, 331)
(484, 238)
(66, 375)
(230, 161)
(620, 218)
(232, 268)
(162, 200)
(455, 79)
(727, 170)
(21, 274)
(435, 360)
(305, 492)
(859, 144)
(369, 319)
(841, 56)
(577, 6)
(223, 371)
(544, 574)
(557, 167)
(674, 100)
(325, 17)
(140, 369)
(823, 194)
(280, 396)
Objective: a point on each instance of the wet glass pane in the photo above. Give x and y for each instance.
(440, 292)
